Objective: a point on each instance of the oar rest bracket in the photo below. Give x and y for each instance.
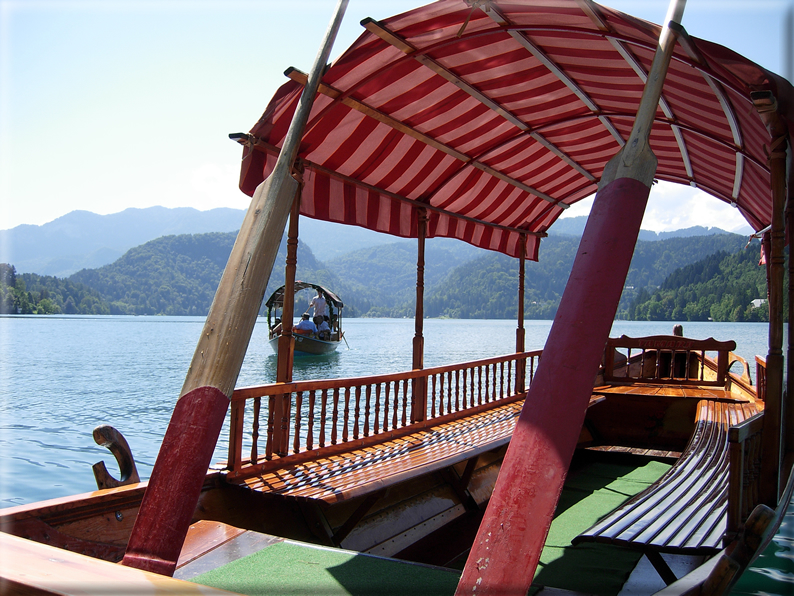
(107, 436)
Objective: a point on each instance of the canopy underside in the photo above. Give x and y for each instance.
(494, 119)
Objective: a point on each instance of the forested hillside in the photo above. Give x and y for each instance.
(488, 286)
(720, 287)
(29, 294)
(178, 275)
(381, 281)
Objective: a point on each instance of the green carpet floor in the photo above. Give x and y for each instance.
(291, 568)
(590, 494)
(596, 486)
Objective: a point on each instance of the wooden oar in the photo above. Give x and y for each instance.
(508, 545)
(189, 442)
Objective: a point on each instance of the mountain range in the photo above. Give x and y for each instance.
(84, 240)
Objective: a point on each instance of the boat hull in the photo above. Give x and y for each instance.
(308, 345)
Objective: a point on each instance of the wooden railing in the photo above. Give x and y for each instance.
(313, 418)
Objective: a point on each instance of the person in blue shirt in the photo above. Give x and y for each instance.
(305, 326)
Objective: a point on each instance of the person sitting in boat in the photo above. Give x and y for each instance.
(305, 326)
(323, 328)
(275, 331)
(319, 304)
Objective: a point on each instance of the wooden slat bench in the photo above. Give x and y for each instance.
(685, 511)
(366, 470)
(370, 469)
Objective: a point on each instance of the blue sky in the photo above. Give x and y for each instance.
(111, 104)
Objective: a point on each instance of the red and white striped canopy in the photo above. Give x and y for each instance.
(495, 118)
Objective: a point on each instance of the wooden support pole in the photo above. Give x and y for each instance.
(185, 455)
(506, 551)
(286, 341)
(520, 332)
(419, 402)
(772, 437)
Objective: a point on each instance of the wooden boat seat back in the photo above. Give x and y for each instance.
(686, 510)
(666, 359)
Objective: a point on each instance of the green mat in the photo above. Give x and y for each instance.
(594, 489)
(291, 568)
(589, 496)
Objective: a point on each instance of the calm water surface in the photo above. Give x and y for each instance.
(60, 376)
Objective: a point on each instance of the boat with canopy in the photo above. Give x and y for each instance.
(315, 343)
(481, 121)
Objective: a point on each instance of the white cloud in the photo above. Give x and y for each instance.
(675, 207)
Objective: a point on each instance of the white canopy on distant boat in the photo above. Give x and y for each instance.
(496, 118)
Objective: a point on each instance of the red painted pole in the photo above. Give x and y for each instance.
(507, 549)
(185, 455)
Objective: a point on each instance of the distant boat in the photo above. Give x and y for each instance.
(308, 344)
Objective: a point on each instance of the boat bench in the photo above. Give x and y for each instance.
(368, 470)
(686, 510)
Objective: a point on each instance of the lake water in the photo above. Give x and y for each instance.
(61, 376)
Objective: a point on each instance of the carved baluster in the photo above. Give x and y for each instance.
(357, 420)
(396, 405)
(449, 391)
(255, 430)
(271, 414)
(296, 441)
(494, 386)
(433, 396)
(323, 415)
(367, 406)
(386, 394)
(406, 399)
(376, 419)
(479, 385)
(310, 422)
(457, 390)
(501, 380)
(335, 415)
(510, 366)
(346, 425)
(465, 402)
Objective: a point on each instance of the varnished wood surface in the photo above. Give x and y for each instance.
(653, 389)
(32, 568)
(204, 536)
(362, 471)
